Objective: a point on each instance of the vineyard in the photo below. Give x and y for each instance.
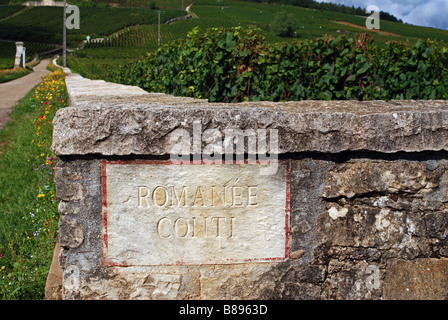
(138, 36)
(147, 35)
(122, 34)
(8, 52)
(237, 64)
(6, 11)
(43, 24)
(172, 4)
(34, 25)
(98, 59)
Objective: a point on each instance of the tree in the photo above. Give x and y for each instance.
(285, 24)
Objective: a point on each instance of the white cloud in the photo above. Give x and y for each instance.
(428, 13)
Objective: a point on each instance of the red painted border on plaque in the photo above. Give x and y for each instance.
(105, 163)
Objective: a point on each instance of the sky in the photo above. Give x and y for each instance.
(427, 13)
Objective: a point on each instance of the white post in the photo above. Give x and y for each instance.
(23, 58)
(19, 50)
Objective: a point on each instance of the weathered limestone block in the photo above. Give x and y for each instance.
(138, 125)
(53, 286)
(420, 279)
(112, 119)
(378, 207)
(355, 208)
(71, 233)
(355, 180)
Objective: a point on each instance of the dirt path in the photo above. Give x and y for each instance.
(12, 91)
(374, 30)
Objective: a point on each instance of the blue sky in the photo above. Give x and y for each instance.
(428, 13)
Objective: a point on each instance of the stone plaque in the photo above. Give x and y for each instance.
(161, 213)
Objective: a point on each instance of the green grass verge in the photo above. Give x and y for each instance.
(28, 205)
(12, 74)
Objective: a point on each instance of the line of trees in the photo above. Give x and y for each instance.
(331, 7)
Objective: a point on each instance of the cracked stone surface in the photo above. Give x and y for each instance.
(386, 223)
(113, 119)
(367, 219)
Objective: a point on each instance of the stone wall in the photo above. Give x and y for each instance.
(356, 207)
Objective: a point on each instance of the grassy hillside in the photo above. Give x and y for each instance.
(44, 24)
(313, 22)
(131, 31)
(41, 27)
(166, 4)
(96, 60)
(6, 11)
